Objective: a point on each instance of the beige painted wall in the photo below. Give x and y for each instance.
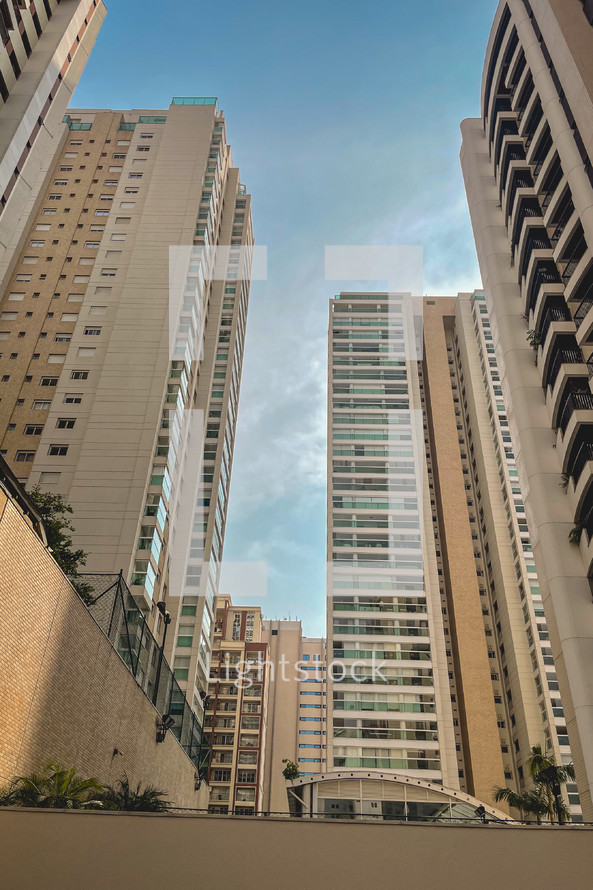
(73, 849)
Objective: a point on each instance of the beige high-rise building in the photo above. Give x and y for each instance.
(296, 707)
(45, 46)
(442, 670)
(523, 673)
(266, 705)
(122, 344)
(236, 710)
(528, 176)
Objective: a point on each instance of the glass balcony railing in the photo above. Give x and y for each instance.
(194, 100)
(75, 125)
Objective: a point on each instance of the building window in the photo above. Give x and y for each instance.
(24, 457)
(57, 450)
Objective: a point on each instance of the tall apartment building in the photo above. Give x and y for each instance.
(266, 704)
(296, 707)
(103, 381)
(236, 710)
(431, 556)
(45, 46)
(529, 181)
(384, 603)
(524, 680)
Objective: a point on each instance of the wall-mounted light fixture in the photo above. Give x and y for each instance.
(166, 723)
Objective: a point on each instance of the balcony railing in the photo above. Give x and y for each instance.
(528, 209)
(536, 240)
(563, 357)
(533, 123)
(584, 454)
(587, 524)
(576, 401)
(545, 273)
(554, 313)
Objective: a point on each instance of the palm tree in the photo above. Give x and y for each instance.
(545, 799)
(55, 788)
(123, 797)
(550, 776)
(529, 803)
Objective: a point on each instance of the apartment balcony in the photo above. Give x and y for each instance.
(583, 317)
(518, 98)
(541, 172)
(524, 115)
(533, 239)
(498, 71)
(519, 184)
(587, 541)
(506, 132)
(508, 141)
(512, 158)
(526, 208)
(512, 75)
(580, 486)
(562, 351)
(576, 275)
(533, 121)
(501, 111)
(556, 321)
(576, 414)
(570, 376)
(543, 280)
(536, 256)
(537, 147)
(563, 238)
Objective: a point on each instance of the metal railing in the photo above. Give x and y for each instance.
(576, 401)
(123, 623)
(563, 357)
(478, 819)
(545, 273)
(582, 311)
(584, 454)
(554, 313)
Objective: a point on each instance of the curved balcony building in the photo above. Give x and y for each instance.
(529, 181)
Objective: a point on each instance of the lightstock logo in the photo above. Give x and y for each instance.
(244, 672)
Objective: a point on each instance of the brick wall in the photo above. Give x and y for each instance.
(65, 694)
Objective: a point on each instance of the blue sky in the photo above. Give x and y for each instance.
(344, 119)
